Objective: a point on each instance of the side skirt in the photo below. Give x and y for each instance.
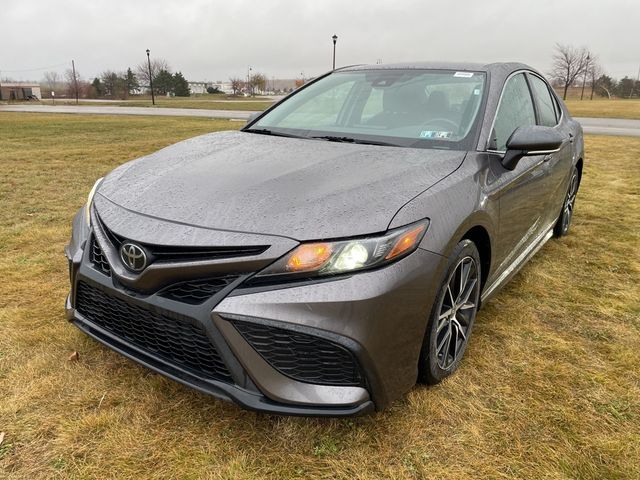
(518, 263)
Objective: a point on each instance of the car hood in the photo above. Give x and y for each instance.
(297, 188)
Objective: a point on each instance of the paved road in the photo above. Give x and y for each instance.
(105, 110)
(596, 126)
(610, 126)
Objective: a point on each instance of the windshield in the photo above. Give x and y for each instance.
(409, 108)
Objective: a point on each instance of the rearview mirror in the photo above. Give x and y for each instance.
(530, 140)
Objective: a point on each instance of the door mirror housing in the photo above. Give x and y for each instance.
(530, 140)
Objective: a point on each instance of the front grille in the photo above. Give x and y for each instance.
(303, 357)
(197, 291)
(177, 342)
(98, 258)
(167, 253)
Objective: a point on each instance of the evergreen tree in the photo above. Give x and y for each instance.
(180, 85)
(131, 81)
(96, 88)
(163, 82)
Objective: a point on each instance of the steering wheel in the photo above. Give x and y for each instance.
(450, 123)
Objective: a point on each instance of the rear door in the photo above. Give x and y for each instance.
(522, 193)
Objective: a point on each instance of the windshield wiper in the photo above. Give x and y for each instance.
(331, 138)
(266, 131)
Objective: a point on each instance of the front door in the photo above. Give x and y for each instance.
(522, 193)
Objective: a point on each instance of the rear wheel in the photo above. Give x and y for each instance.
(452, 316)
(561, 227)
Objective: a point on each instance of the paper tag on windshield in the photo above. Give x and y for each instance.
(463, 74)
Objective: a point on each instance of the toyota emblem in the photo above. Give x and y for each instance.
(133, 256)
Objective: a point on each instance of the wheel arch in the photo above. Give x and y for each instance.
(480, 237)
(579, 165)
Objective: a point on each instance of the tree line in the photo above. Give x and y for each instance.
(120, 85)
(579, 67)
(254, 83)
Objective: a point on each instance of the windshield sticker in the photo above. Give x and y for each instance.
(435, 134)
(476, 91)
(463, 74)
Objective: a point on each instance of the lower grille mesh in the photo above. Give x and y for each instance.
(177, 342)
(195, 292)
(98, 258)
(303, 357)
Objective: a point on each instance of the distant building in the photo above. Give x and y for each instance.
(201, 87)
(20, 91)
(198, 87)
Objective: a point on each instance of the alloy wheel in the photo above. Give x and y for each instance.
(457, 310)
(569, 203)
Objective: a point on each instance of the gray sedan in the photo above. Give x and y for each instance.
(336, 250)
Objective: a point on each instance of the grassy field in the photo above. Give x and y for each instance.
(550, 387)
(616, 108)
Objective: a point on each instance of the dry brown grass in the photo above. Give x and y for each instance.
(604, 108)
(550, 387)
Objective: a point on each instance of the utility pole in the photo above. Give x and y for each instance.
(75, 79)
(634, 84)
(584, 78)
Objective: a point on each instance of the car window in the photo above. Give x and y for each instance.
(401, 107)
(374, 104)
(556, 106)
(546, 111)
(516, 110)
(324, 108)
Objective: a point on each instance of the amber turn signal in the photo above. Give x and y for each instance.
(309, 256)
(406, 241)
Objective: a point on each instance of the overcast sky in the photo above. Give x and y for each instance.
(213, 40)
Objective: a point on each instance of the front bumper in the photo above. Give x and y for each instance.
(379, 317)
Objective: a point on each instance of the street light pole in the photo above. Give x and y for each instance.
(153, 98)
(335, 39)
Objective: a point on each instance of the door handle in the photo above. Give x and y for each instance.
(571, 138)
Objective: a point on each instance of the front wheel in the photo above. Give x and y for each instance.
(452, 315)
(561, 227)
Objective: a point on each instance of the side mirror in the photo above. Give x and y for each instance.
(253, 116)
(530, 140)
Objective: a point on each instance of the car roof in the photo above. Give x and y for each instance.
(495, 67)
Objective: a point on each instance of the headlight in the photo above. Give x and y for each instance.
(87, 207)
(330, 258)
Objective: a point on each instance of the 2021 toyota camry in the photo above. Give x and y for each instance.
(335, 250)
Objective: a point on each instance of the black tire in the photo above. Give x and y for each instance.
(451, 315)
(561, 228)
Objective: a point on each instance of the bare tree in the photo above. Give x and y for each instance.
(258, 82)
(568, 64)
(52, 79)
(157, 65)
(590, 61)
(236, 84)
